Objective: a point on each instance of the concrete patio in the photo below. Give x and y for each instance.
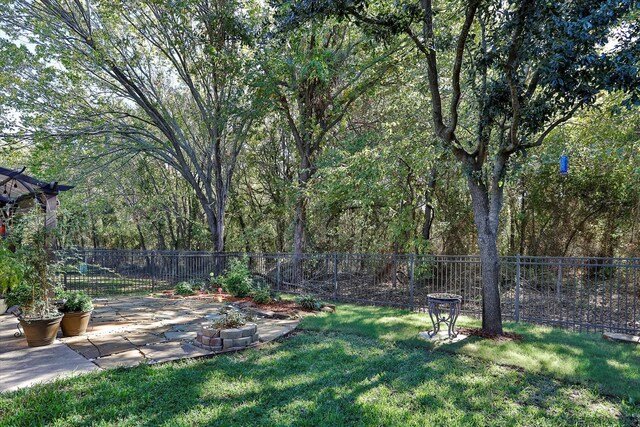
(122, 332)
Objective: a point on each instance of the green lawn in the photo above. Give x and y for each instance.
(580, 358)
(361, 366)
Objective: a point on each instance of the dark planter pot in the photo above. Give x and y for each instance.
(75, 323)
(40, 332)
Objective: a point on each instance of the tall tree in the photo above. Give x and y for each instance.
(166, 79)
(314, 74)
(501, 77)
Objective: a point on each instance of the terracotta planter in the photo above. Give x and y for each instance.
(40, 332)
(75, 323)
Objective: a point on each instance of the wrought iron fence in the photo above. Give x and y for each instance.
(578, 293)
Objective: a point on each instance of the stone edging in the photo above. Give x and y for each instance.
(227, 339)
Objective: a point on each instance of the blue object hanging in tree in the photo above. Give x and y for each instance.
(564, 165)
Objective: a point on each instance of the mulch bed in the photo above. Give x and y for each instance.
(477, 332)
(275, 306)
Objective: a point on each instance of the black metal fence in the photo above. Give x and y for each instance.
(579, 293)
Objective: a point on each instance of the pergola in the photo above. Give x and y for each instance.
(17, 189)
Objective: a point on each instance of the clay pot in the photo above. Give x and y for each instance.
(75, 323)
(40, 332)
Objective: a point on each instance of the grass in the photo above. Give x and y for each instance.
(580, 358)
(360, 366)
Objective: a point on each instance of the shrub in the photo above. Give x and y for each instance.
(262, 295)
(77, 301)
(10, 270)
(21, 295)
(184, 288)
(237, 279)
(309, 302)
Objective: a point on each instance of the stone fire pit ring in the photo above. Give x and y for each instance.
(213, 339)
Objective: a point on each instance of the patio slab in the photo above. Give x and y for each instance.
(122, 332)
(164, 352)
(126, 359)
(32, 365)
(8, 341)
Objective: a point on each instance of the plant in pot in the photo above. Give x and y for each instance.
(77, 310)
(39, 318)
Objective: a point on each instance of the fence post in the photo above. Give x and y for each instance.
(335, 276)
(153, 271)
(395, 270)
(411, 281)
(278, 273)
(518, 288)
(559, 283)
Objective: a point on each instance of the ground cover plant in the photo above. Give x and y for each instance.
(359, 366)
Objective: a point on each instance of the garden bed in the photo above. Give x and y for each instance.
(275, 306)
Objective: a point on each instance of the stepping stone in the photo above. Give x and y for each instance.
(613, 336)
(125, 359)
(107, 327)
(263, 313)
(143, 338)
(180, 335)
(110, 344)
(274, 329)
(84, 347)
(167, 351)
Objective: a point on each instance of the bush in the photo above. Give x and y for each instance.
(21, 295)
(237, 280)
(184, 288)
(309, 302)
(77, 301)
(262, 295)
(10, 270)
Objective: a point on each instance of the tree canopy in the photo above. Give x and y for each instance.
(322, 125)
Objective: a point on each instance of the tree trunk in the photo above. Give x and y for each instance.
(300, 220)
(428, 207)
(486, 216)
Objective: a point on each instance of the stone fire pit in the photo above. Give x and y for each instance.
(213, 339)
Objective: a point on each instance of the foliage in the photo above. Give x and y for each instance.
(31, 237)
(184, 288)
(167, 81)
(262, 294)
(21, 295)
(231, 318)
(374, 148)
(76, 301)
(11, 269)
(237, 279)
(516, 71)
(309, 302)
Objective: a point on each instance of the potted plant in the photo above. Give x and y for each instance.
(77, 310)
(39, 318)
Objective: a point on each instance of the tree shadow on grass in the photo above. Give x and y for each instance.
(310, 379)
(577, 358)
